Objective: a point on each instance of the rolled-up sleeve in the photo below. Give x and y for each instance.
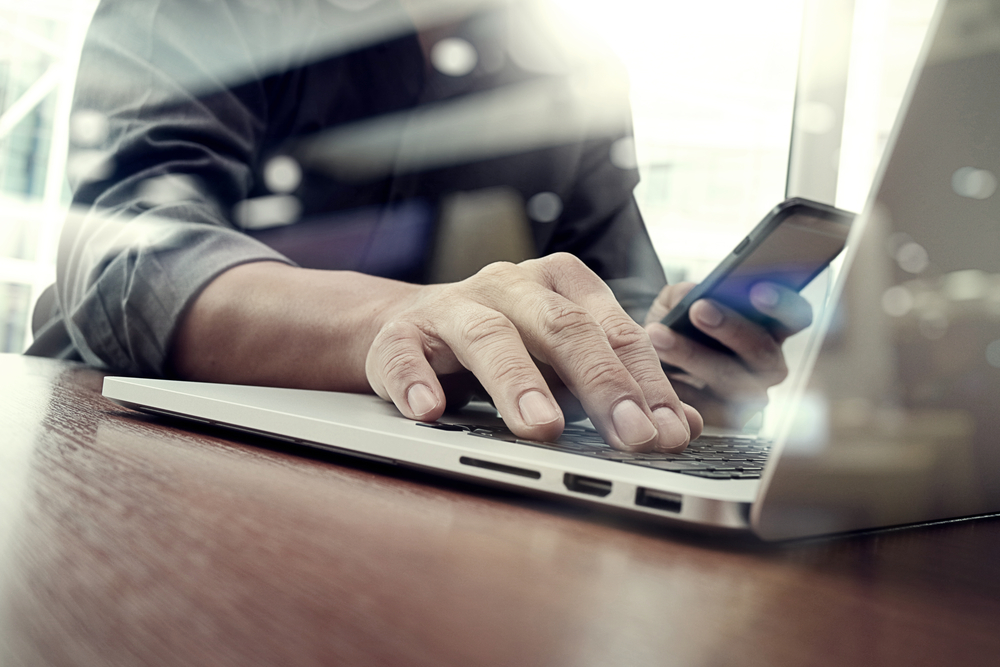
(180, 112)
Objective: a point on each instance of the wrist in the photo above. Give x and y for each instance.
(268, 323)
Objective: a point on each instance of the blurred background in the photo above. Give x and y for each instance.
(736, 105)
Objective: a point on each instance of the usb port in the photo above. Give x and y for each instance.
(658, 500)
(588, 485)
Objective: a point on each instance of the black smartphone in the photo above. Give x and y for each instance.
(790, 246)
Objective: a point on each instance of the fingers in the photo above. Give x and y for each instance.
(784, 305)
(756, 347)
(488, 343)
(716, 374)
(719, 383)
(499, 322)
(398, 371)
(715, 410)
(608, 362)
(668, 297)
(406, 357)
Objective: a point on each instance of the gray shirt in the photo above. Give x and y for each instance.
(189, 104)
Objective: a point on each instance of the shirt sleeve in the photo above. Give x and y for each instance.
(174, 108)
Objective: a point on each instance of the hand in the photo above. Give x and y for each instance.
(728, 390)
(503, 322)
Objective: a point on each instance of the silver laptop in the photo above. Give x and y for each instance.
(894, 415)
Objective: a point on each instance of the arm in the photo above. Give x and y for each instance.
(151, 228)
(169, 286)
(267, 323)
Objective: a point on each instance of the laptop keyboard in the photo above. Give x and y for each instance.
(711, 457)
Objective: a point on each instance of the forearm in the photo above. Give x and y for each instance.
(267, 323)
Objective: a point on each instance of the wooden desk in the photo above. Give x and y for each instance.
(133, 541)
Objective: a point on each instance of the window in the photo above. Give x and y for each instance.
(713, 88)
(39, 45)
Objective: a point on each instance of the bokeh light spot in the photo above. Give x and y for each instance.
(168, 189)
(912, 257)
(88, 166)
(974, 183)
(897, 301)
(544, 207)
(88, 128)
(282, 174)
(353, 5)
(271, 211)
(623, 153)
(454, 56)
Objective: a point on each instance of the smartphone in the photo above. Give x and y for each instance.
(791, 246)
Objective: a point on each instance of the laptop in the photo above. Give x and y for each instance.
(891, 418)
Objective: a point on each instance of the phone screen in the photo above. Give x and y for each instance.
(791, 246)
(791, 255)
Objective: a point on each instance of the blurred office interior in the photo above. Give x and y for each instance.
(735, 105)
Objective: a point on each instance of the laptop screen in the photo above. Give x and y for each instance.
(898, 421)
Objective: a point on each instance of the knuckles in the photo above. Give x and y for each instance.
(394, 350)
(564, 262)
(602, 373)
(625, 334)
(490, 279)
(556, 319)
(484, 327)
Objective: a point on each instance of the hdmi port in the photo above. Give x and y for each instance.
(588, 485)
(658, 500)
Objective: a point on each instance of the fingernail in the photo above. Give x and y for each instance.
(632, 425)
(420, 399)
(763, 295)
(673, 434)
(537, 409)
(709, 315)
(660, 336)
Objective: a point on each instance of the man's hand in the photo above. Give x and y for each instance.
(503, 322)
(728, 390)
(543, 337)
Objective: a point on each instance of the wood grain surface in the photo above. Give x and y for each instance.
(128, 540)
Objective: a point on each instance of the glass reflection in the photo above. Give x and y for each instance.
(900, 421)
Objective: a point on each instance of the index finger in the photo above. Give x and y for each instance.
(617, 369)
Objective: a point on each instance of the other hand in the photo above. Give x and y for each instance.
(726, 389)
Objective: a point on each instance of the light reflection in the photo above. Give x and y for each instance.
(974, 183)
(478, 126)
(965, 285)
(957, 294)
(896, 240)
(993, 354)
(454, 56)
(168, 189)
(353, 5)
(912, 258)
(282, 174)
(544, 207)
(270, 211)
(623, 153)
(897, 301)
(84, 166)
(88, 128)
